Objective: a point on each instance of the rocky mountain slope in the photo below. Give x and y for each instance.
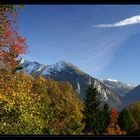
(64, 71)
(117, 86)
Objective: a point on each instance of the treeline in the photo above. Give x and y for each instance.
(129, 118)
(37, 106)
(100, 119)
(43, 106)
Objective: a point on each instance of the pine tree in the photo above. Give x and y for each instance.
(106, 116)
(126, 121)
(92, 112)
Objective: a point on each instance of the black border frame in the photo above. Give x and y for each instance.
(70, 2)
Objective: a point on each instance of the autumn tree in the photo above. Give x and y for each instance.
(11, 43)
(134, 108)
(113, 128)
(42, 106)
(17, 105)
(64, 115)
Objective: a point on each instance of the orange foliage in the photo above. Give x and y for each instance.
(113, 128)
(11, 43)
(114, 115)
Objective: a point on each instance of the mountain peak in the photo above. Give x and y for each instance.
(112, 80)
(59, 65)
(64, 63)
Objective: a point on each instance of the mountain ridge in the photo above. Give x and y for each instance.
(132, 96)
(117, 86)
(65, 71)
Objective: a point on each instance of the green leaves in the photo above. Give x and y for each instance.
(129, 118)
(37, 106)
(126, 121)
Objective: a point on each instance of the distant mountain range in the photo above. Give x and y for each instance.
(110, 91)
(132, 96)
(119, 87)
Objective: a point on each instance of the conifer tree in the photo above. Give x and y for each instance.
(106, 116)
(92, 112)
(126, 121)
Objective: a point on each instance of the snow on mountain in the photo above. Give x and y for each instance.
(112, 80)
(119, 87)
(31, 67)
(64, 71)
(130, 85)
(60, 65)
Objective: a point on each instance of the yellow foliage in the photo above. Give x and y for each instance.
(39, 103)
(114, 129)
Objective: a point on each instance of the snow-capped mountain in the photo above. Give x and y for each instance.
(111, 80)
(64, 71)
(45, 70)
(119, 87)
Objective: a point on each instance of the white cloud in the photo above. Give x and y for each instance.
(125, 22)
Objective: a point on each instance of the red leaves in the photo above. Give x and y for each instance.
(114, 115)
(10, 38)
(113, 128)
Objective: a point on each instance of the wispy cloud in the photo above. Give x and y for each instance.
(98, 57)
(125, 22)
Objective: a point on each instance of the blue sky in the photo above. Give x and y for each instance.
(102, 40)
